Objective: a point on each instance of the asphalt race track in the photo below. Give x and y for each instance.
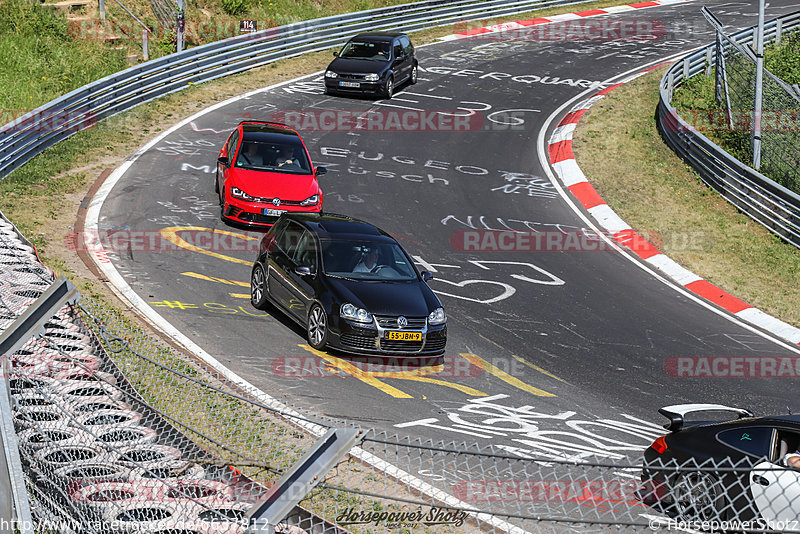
(576, 342)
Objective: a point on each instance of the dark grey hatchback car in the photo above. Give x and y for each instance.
(350, 285)
(372, 63)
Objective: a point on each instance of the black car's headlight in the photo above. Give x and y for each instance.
(310, 201)
(372, 77)
(354, 313)
(238, 193)
(437, 316)
(331, 74)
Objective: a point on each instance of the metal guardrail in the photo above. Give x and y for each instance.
(765, 201)
(59, 119)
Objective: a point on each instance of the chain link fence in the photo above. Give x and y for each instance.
(735, 79)
(121, 432)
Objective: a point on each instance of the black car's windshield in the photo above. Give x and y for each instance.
(273, 157)
(366, 260)
(372, 50)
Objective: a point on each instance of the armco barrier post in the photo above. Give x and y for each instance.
(15, 510)
(759, 97)
(31, 322)
(295, 484)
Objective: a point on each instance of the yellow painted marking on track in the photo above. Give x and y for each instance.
(537, 368)
(414, 375)
(358, 373)
(465, 389)
(240, 295)
(420, 371)
(505, 377)
(215, 279)
(171, 235)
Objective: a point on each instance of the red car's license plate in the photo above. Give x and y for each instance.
(273, 213)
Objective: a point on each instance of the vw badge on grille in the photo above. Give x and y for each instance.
(402, 322)
(276, 201)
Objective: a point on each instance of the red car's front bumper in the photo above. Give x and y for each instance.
(254, 213)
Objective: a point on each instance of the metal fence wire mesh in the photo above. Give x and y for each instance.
(780, 115)
(120, 432)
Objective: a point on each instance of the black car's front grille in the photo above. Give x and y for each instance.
(390, 322)
(436, 343)
(357, 341)
(351, 76)
(400, 346)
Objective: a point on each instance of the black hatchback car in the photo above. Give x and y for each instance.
(725, 470)
(372, 63)
(350, 285)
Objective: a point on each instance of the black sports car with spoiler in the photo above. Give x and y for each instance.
(744, 469)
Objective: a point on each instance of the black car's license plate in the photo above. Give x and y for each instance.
(349, 84)
(404, 336)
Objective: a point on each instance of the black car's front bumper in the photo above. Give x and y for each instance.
(332, 85)
(369, 339)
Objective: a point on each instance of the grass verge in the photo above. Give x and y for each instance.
(621, 152)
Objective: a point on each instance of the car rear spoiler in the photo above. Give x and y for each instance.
(677, 412)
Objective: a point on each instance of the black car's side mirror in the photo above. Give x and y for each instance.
(320, 171)
(427, 276)
(223, 160)
(336, 54)
(302, 270)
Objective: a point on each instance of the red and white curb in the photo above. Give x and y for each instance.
(522, 24)
(566, 168)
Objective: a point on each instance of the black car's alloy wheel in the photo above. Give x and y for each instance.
(317, 327)
(414, 74)
(698, 496)
(388, 90)
(258, 288)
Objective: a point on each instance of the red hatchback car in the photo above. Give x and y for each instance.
(264, 170)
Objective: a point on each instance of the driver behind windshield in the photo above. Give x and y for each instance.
(375, 51)
(369, 261)
(287, 158)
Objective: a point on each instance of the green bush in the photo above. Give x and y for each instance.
(24, 18)
(40, 62)
(235, 7)
(784, 60)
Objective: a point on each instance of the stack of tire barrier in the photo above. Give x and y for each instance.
(97, 458)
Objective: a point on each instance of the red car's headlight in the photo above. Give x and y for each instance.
(310, 201)
(238, 193)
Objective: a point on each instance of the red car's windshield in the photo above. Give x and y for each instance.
(273, 157)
